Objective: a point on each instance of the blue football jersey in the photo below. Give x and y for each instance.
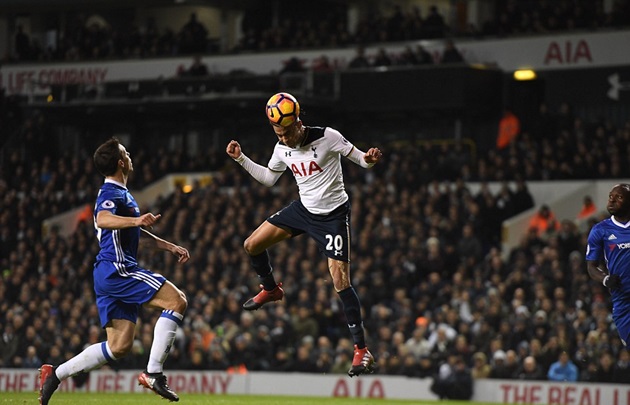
(610, 240)
(119, 245)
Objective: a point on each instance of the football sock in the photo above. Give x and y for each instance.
(163, 338)
(263, 268)
(92, 357)
(352, 309)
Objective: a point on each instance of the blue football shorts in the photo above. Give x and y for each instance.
(330, 231)
(120, 290)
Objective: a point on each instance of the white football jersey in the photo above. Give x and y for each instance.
(316, 166)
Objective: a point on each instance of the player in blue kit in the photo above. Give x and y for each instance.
(121, 285)
(608, 256)
(313, 154)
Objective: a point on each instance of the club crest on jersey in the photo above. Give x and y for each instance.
(302, 170)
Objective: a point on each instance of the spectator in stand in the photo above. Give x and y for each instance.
(304, 362)
(588, 208)
(197, 68)
(22, 44)
(605, 368)
(621, 373)
(407, 57)
(523, 199)
(451, 54)
(509, 128)
(453, 380)
(511, 363)
(563, 370)
(423, 57)
(480, 368)
(359, 60)
(382, 59)
(530, 370)
(434, 25)
(342, 362)
(425, 367)
(193, 36)
(31, 360)
(322, 64)
(499, 369)
(418, 344)
(8, 345)
(293, 65)
(469, 247)
(588, 371)
(544, 222)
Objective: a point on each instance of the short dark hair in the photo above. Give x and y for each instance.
(107, 156)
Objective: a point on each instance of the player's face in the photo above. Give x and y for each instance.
(290, 136)
(619, 201)
(126, 158)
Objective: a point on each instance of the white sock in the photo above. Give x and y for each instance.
(92, 357)
(163, 337)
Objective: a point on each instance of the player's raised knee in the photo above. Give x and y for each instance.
(121, 348)
(182, 303)
(250, 247)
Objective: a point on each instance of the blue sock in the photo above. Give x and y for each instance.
(352, 309)
(262, 265)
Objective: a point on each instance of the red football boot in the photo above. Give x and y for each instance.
(362, 362)
(264, 297)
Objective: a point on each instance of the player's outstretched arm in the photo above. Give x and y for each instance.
(365, 159)
(372, 156)
(262, 174)
(107, 220)
(181, 252)
(233, 150)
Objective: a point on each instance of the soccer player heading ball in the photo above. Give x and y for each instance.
(313, 154)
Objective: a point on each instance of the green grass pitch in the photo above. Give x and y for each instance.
(63, 398)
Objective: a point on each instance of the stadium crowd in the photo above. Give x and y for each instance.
(84, 37)
(428, 265)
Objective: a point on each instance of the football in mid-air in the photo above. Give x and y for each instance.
(283, 109)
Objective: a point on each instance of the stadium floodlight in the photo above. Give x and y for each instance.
(524, 74)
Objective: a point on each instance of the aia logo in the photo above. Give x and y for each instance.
(568, 53)
(302, 170)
